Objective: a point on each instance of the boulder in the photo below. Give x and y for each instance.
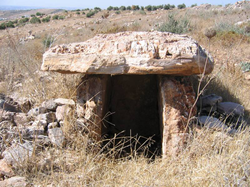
(14, 182)
(209, 100)
(50, 105)
(62, 112)
(130, 53)
(7, 106)
(63, 101)
(36, 111)
(56, 136)
(48, 117)
(212, 123)
(230, 108)
(18, 153)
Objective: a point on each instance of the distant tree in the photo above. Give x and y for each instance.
(78, 13)
(149, 8)
(110, 8)
(166, 7)
(32, 15)
(55, 17)
(61, 17)
(194, 5)
(129, 8)
(122, 8)
(97, 9)
(142, 7)
(181, 6)
(47, 19)
(116, 8)
(3, 26)
(172, 6)
(90, 14)
(35, 20)
(23, 20)
(38, 14)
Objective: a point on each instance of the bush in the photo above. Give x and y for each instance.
(78, 13)
(61, 17)
(129, 8)
(110, 8)
(83, 13)
(149, 8)
(175, 26)
(47, 19)
(117, 12)
(38, 14)
(135, 7)
(32, 15)
(90, 14)
(122, 8)
(15, 21)
(193, 5)
(3, 26)
(245, 66)
(48, 41)
(142, 7)
(10, 24)
(167, 7)
(97, 9)
(55, 17)
(23, 20)
(181, 6)
(35, 20)
(116, 8)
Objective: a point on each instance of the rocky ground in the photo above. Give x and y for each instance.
(38, 140)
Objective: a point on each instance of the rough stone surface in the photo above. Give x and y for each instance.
(63, 101)
(93, 98)
(21, 119)
(56, 136)
(230, 108)
(62, 112)
(5, 169)
(50, 105)
(14, 182)
(130, 53)
(48, 117)
(18, 153)
(212, 123)
(176, 100)
(36, 111)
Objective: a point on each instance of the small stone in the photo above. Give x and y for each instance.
(5, 169)
(56, 136)
(212, 123)
(36, 111)
(50, 105)
(14, 182)
(53, 125)
(8, 107)
(21, 119)
(62, 112)
(62, 101)
(210, 33)
(230, 108)
(48, 117)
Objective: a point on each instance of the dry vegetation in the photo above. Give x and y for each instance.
(210, 159)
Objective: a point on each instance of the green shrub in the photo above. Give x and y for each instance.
(3, 26)
(118, 12)
(167, 7)
(115, 8)
(10, 24)
(245, 66)
(149, 8)
(78, 10)
(15, 21)
(32, 15)
(110, 8)
(97, 9)
(78, 13)
(35, 20)
(38, 14)
(181, 6)
(193, 5)
(135, 7)
(55, 17)
(90, 14)
(129, 8)
(122, 8)
(61, 17)
(224, 27)
(142, 12)
(47, 19)
(175, 26)
(23, 20)
(48, 41)
(83, 13)
(142, 7)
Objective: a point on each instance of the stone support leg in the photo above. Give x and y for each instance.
(175, 101)
(92, 95)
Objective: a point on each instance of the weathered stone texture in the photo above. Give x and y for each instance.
(130, 53)
(176, 100)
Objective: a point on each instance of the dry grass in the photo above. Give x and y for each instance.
(210, 159)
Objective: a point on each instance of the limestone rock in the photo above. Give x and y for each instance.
(18, 153)
(230, 108)
(48, 117)
(14, 182)
(56, 136)
(62, 112)
(130, 53)
(21, 119)
(63, 101)
(212, 123)
(50, 105)
(36, 111)
(5, 169)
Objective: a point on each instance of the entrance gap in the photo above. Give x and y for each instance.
(133, 104)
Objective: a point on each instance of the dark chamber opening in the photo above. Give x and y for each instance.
(133, 103)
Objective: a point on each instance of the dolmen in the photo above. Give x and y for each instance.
(135, 83)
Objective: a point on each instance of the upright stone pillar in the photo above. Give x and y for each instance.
(175, 101)
(92, 95)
